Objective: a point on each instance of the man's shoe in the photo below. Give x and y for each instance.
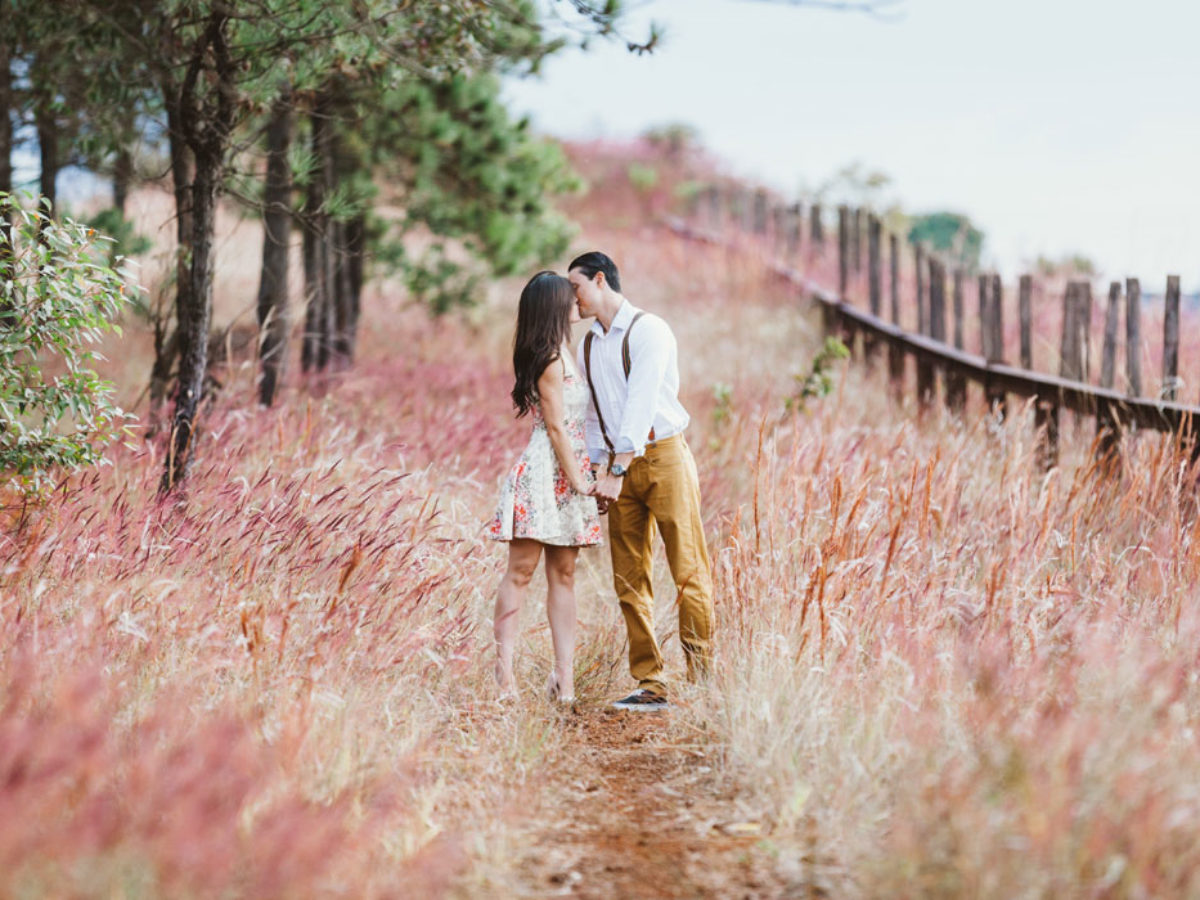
(642, 700)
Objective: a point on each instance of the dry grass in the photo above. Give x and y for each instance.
(940, 672)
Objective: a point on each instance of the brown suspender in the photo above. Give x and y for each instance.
(626, 361)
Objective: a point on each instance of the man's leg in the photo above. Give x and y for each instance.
(630, 534)
(674, 501)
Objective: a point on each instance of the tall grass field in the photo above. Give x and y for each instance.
(940, 672)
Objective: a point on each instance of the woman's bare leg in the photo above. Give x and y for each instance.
(523, 556)
(560, 609)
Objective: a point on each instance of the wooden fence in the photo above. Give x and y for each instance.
(938, 352)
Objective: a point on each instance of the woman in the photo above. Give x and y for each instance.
(546, 503)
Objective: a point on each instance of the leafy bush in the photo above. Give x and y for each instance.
(125, 241)
(817, 382)
(56, 297)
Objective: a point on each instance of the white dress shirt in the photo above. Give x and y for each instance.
(650, 399)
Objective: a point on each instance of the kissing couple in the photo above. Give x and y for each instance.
(609, 440)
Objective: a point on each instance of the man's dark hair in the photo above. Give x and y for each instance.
(594, 262)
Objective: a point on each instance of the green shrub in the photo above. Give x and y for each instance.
(125, 241)
(57, 296)
(818, 381)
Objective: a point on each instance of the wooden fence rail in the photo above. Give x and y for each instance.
(933, 353)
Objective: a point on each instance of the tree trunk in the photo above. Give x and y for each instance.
(206, 123)
(318, 260)
(167, 350)
(312, 288)
(347, 313)
(194, 319)
(277, 220)
(122, 179)
(47, 135)
(356, 245)
(347, 238)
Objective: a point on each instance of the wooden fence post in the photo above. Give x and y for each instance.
(956, 382)
(982, 284)
(714, 206)
(1025, 311)
(1085, 327)
(895, 354)
(760, 212)
(874, 278)
(1045, 408)
(1071, 365)
(875, 268)
(816, 227)
(794, 218)
(1107, 423)
(1108, 355)
(996, 399)
(1133, 336)
(937, 299)
(959, 277)
(922, 296)
(1170, 388)
(739, 209)
(926, 281)
(843, 251)
(937, 309)
(856, 240)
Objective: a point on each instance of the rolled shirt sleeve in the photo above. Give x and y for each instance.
(652, 348)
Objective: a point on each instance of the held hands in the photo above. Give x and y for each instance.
(608, 488)
(605, 488)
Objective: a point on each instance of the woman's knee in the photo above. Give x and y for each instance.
(560, 567)
(520, 575)
(521, 567)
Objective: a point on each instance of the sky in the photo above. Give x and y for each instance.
(1058, 126)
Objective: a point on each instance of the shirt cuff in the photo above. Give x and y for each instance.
(627, 445)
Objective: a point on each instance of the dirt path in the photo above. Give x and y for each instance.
(636, 813)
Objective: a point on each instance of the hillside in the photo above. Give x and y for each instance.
(940, 672)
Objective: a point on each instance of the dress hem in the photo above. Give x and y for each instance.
(548, 543)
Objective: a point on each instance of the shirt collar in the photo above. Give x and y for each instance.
(620, 321)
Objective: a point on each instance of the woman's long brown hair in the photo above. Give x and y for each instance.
(543, 326)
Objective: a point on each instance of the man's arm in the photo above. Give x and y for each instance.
(651, 344)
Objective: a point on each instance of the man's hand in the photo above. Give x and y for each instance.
(608, 487)
(601, 505)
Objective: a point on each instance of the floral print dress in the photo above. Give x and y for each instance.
(537, 501)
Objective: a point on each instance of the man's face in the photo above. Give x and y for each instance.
(587, 291)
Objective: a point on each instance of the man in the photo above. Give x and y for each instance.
(644, 472)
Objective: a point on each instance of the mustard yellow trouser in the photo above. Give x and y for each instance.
(661, 488)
